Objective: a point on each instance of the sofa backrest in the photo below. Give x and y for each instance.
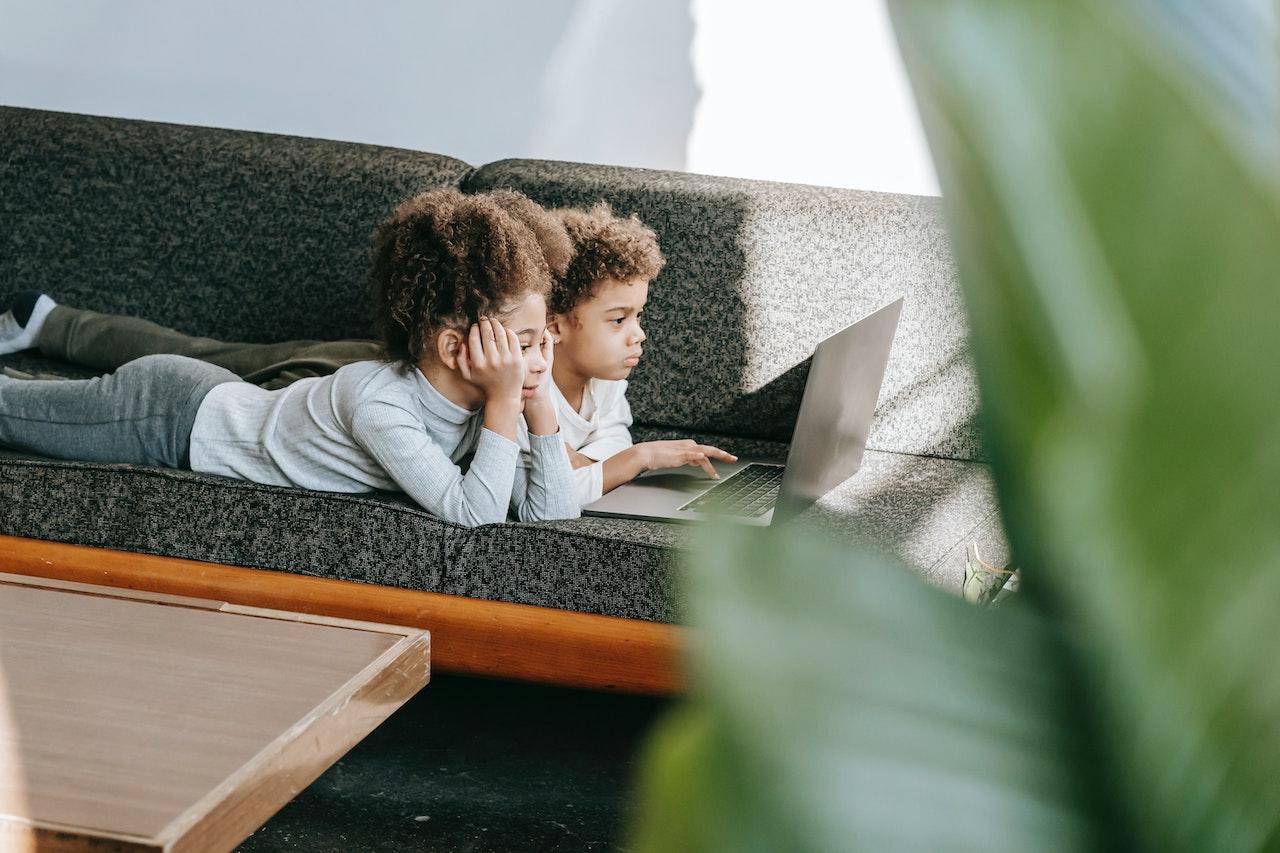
(246, 236)
(260, 237)
(757, 273)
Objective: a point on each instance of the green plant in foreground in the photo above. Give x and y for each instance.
(1111, 185)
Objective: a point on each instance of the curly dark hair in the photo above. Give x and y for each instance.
(443, 259)
(547, 228)
(605, 246)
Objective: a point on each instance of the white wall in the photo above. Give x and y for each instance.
(811, 91)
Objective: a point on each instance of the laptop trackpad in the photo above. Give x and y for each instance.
(691, 481)
(659, 494)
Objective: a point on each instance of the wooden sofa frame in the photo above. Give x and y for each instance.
(468, 635)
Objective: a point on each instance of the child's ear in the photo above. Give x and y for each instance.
(554, 326)
(448, 344)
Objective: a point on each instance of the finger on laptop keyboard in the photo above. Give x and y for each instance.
(701, 459)
(717, 453)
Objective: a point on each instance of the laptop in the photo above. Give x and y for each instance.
(827, 443)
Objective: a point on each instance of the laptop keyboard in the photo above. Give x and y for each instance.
(751, 492)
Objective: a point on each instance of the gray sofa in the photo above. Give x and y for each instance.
(259, 237)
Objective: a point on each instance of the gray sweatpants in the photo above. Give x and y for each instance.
(143, 413)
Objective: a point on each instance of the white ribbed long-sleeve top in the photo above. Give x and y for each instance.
(597, 430)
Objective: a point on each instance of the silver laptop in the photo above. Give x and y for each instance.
(826, 446)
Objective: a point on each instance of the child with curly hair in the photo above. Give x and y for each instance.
(595, 308)
(459, 287)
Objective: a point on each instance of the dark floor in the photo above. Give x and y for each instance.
(476, 765)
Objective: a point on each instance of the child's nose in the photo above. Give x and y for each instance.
(639, 336)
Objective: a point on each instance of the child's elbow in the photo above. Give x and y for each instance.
(478, 519)
(468, 516)
(562, 512)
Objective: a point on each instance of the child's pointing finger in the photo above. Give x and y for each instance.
(702, 460)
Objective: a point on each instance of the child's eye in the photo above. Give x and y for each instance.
(524, 347)
(617, 321)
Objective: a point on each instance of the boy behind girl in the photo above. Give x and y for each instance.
(595, 309)
(601, 264)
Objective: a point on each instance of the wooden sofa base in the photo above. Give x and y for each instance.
(468, 635)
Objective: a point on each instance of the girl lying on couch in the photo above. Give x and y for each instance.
(459, 289)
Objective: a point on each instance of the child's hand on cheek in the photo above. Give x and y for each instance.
(491, 360)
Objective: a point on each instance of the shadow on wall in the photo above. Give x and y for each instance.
(619, 86)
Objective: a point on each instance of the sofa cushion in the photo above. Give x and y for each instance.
(917, 508)
(757, 274)
(616, 567)
(375, 538)
(241, 236)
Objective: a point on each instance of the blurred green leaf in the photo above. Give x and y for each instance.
(1111, 184)
(844, 705)
(1118, 238)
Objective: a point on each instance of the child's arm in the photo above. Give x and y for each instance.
(656, 455)
(491, 359)
(399, 443)
(588, 483)
(623, 461)
(396, 438)
(546, 490)
(613, 435)
(610, 437)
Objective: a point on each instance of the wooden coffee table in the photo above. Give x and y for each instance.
(139, 721)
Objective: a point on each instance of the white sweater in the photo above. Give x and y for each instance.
(373, 425)
(598, 430)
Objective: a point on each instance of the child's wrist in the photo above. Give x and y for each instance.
(504, 404)
(640, 459)
(541, 419)
(501, 416)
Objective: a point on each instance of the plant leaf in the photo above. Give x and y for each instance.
(1117, 233)
(843, 705)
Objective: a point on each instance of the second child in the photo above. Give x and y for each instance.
(596, 309)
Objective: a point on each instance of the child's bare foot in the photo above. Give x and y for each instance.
(20, 325)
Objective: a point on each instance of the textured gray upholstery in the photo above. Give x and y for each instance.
(619, 569)
(914, 507)
(757, 274)
(235, 235)
(256, 237)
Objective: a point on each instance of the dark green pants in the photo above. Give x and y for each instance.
(107, 341)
